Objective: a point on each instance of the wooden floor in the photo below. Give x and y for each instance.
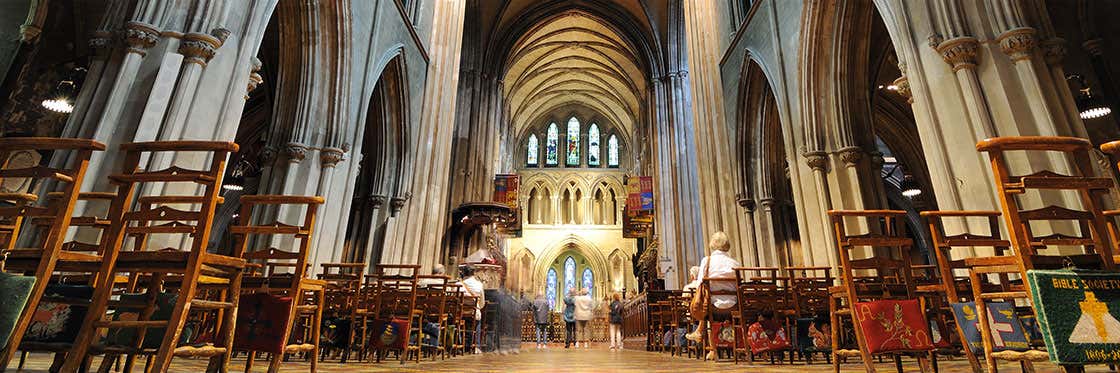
(557, 359)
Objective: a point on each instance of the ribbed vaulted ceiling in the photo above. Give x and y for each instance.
(574, 59)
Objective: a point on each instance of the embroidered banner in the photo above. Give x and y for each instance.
(506, 188)
(1079, 315)
(893, 325)
(638, 219)
(1007, 330)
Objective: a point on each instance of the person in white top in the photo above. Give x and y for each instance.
(718, 265)
(437, 270)
(585, 311)
(694, 279)
(473, 287)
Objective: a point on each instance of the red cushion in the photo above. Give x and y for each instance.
(262, 323)
(893, 325)
(725, 334)
(767, 336)
(390, 334)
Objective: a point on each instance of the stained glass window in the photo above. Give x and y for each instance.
(569, 275)
(550, 289)
(612, 151)
(533, 145)
(573, 142)
(551, 143)
(589, 282)
(593, 145)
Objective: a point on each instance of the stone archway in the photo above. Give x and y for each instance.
(594, 256)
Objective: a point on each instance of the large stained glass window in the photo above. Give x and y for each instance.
(533, 147)
(569, 275)
(612, 151)
(589, 282)
(550, 289)
(573, 142)
(551, 143)
(593, 145)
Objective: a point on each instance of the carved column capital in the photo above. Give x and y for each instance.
(29, 32)
(199, 48)
(960, 52)
(903, 86)
(101, 43)
(1094, 46)
(295, 152)
(817, 161)
(767, 204)
(329, 157)
(851, 155)
(745, 202)
(877, 161)
(376, 202)
(267, 155)
(396, 204)
(140, 36)
(1054, 50)
(1018, 43)
(255, 78)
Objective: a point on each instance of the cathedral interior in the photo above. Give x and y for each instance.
(559, 185)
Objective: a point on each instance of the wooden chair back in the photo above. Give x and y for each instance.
(271, 259)
(891, 277)
(808, 288)
(1089, 219)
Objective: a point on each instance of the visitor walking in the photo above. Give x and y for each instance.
(585, 311)
(540, 318)
(616, 321)
(569, 320)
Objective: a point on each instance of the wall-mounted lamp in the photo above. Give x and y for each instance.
(1089, 106)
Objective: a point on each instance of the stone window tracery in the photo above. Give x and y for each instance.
(612, 151)
(550, 288)
(593, 146)
(569, 275)
(551, 143)
(533, 149)
(573, 142)
(589, 281)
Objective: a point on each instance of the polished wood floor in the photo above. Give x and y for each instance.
(557, 359)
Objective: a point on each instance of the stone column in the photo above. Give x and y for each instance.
(557, 217)
(537, 209)
(769, 247)
(818, 162)
(323, 253)
(960, 53)
(1019, 44)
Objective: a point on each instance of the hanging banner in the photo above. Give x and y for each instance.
(638, 220)
(506, 188)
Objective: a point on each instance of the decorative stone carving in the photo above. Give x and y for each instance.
(376, 202)
(1018, 43)
(851, 155)
(29, 32)
(903, 86)
(267, 155)
(221, 33)
(329, 157)
(101, 43)
(1054, 50)
(960, 53)
(255, 78)
(817, 161)
(877, 161)
(295, 152)
(397, 203)
(745, 202)
(767, 204)
(199, 48)
(140, 36)
(1094, 46)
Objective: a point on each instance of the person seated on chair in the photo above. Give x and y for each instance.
(718, 265)
(693, 278)
(437, 270)
(473, 287)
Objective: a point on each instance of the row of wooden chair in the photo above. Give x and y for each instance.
(151, 290)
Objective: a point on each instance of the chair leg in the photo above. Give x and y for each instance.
(835, 330)
(274, 364)
(316, 324)
(250, 356)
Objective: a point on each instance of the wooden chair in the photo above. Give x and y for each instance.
(726, 287)
(342, 293)
(953, 287)
(1033, 250)
(181, 269)
(453, 344)
(467, 321)
(395, 288)
(1113, 149)
(891, 279)
(808, 288)
(51, 253)
(763, 292)
(431, 299)
(307, 294)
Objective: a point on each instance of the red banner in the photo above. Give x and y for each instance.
(506, 188)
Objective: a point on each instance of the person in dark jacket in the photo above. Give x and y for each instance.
(569, 320)
(616, 321)
(540, 318)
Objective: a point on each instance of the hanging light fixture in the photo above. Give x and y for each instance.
(1088, 106)
(909, 188)
(62, 99)
(236, 180)
(64, 95)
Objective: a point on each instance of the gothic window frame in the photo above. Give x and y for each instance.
(552, 282)
(572, 142)
(552, 146)
(588, 281)
(594, 150)
(532, 156)
(613, 152)
(569, 274)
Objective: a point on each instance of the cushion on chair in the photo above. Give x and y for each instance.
(57, 322)
(389, 334)
(893, 325)
(726, 334)
(766, 336)
(165, 304)
(1007, 331)
(14, 290)
(262, 322)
